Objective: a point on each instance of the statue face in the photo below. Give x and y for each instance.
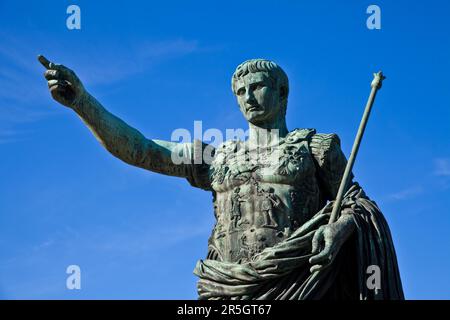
(258, 97)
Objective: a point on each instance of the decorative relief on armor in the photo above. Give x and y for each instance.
(251, 215)
(269, 202)
(236, 200)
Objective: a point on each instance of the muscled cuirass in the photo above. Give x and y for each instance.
(260, 195)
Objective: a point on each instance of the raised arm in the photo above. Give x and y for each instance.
(120, 139)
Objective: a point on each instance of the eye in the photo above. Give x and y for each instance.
(240, 91)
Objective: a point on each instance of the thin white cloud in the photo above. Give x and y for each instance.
(113, 64)
(442, 167)
(9, 135)
(150, 239)
(168, 48)
(407, 193)
(23, 91)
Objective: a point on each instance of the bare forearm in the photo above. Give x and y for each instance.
(123, 141)
(127, 143)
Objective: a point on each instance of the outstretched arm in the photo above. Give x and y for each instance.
(120, 139)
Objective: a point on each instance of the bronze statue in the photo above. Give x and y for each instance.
(271, 239)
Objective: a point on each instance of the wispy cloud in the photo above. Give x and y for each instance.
(114, 64)
(168, 48)
(407, 193)
(148, 239)
(9, 135)
(13, 119)
(44, 262)
(442, 167)
(23, 92)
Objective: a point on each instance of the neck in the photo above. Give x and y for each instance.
(267, 133)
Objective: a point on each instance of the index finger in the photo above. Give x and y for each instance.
(44, 61)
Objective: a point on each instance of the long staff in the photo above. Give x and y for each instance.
(376, 84)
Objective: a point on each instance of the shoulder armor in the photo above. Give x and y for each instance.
(321, 143)
(297, 135)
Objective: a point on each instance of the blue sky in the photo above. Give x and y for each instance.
(137, 235)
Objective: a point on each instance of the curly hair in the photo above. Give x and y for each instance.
(274, 71)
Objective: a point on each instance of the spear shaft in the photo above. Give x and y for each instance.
(376, 84)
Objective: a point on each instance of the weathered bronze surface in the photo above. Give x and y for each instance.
(272, 196)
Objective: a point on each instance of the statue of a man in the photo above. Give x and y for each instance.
(295, 254)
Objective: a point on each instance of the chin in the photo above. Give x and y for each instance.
(258, 121)
(254, 118)
(258, 118)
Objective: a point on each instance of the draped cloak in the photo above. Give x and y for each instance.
(282, 272)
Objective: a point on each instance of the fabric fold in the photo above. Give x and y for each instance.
(282, 272)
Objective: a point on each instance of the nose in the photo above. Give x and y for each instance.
(249, 96)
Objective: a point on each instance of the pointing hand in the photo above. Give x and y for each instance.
(64, 85)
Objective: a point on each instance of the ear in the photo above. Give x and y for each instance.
(283, 92)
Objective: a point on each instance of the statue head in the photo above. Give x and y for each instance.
(261, 88)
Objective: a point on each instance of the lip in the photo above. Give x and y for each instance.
(253, 108)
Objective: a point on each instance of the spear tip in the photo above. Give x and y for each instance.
(378, 78)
